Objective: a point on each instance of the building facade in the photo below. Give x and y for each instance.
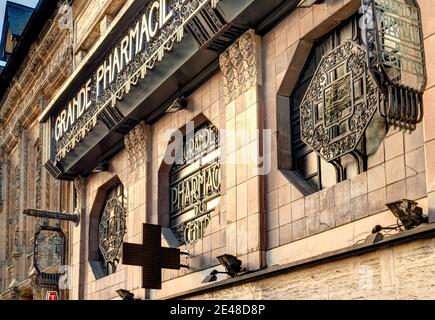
(278, 132)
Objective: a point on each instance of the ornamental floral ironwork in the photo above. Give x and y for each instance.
(169, 35)
(112, 229)
(340, 102)
(396, 56)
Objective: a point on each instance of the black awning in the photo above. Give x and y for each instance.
(190, 62)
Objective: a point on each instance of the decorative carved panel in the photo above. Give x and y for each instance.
(38, 176)
(1, 185)
(80, 189)
(240, 66)
(42, 71)
(136, 143)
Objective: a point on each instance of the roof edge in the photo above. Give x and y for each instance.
(41, 14)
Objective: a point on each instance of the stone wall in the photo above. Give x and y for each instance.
(25, 183)
(429, 118)
(395, 172)
(402, 272)
(267, 221)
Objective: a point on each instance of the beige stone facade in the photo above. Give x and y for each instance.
(387, 274)
(265, 220)
(24, 181)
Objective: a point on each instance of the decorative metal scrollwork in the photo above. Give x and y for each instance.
(112, 229)
(396, 56)
(340, 102)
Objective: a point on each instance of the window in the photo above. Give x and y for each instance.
(334, 120)
(194, 184)
(9, 45)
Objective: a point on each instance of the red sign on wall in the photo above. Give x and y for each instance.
(52, 295)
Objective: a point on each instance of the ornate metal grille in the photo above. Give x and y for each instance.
(332, 106)
(112, 228)
(195, 184)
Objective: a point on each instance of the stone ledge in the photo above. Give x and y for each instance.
(422, 232)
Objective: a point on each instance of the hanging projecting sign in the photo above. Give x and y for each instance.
(396, 55)
(49, 255)
(152, 34)
(195, 183)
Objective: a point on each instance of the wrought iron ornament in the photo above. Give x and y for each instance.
(52, 215)
(340, 102)
(112, 229)
(396, 56)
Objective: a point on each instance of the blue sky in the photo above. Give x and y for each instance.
(29, 3)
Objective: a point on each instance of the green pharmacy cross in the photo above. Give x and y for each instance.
(151, 256)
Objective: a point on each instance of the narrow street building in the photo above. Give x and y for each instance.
(285, 147)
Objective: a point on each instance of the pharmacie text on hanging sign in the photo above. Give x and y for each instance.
(155, 31)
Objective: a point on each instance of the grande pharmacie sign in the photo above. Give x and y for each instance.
(158, 27)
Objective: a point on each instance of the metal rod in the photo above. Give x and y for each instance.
(52, 215)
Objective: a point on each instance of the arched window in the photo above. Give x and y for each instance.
(195, 184)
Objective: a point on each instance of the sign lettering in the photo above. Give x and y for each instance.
(195, 185)
(153, 33)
